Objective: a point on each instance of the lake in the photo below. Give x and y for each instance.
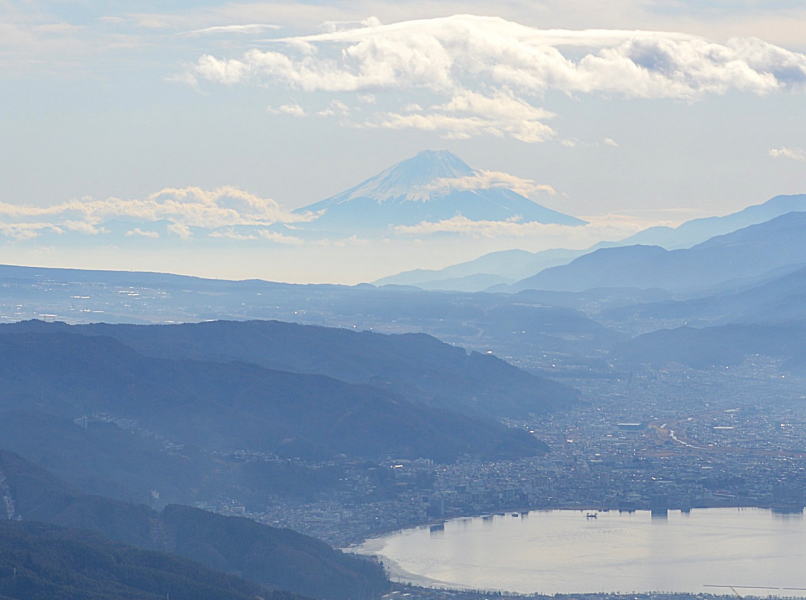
(754, 551)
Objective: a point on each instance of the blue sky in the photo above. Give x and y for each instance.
(666, 110)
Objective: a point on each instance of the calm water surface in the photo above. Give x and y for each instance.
(561, 551)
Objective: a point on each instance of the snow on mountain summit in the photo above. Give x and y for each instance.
(411, 179)
(432, 186)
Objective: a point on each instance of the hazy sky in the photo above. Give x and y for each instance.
(137, 134)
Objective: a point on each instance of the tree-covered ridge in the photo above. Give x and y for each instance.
(272, 557)
(236, 406)
(45, 562)
(417, 366)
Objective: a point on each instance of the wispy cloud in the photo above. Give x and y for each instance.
(468, 114)
(181, 230)
(485, 180)
(137, 232)
(597, 228)
(787, 152)
(256, 234)
(335, 108)
(490, 73)
(178, 209)
(294, 110)
(27, 231)
(251, 28)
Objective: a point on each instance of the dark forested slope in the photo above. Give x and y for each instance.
(417, 366)
(232, 406)
(44, 562)
(278, 558)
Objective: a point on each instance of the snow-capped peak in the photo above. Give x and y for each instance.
(432, 186)
(410, 180)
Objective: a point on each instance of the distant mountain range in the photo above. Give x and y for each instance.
(530, 326)
(432, 186)
(762, 317)
(488, 271)
(511, 270)
(775, 297)
(746, 253)
(697, 231)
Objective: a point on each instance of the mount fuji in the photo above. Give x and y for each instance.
(432, 186)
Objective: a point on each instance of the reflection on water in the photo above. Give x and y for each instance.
(749, 551)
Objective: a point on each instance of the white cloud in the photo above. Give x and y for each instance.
(787, 152)
(27, 231)
(485, 180)
(258, 234)
(596, 229)
(335, 108)
(227, 71)
(226, 29)
(180, 229)
(294, 110)
(468, 114)
(490, 72)
(181, 208)
(498, 106)
(137, 232)
(461, 127)
(85, 227)
(191, 206)
(780, 21)
(279, 238)
(577, 143)
(231, 234)
(333, 26)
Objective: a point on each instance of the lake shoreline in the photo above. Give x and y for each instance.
(401, 575)
(383, 532)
